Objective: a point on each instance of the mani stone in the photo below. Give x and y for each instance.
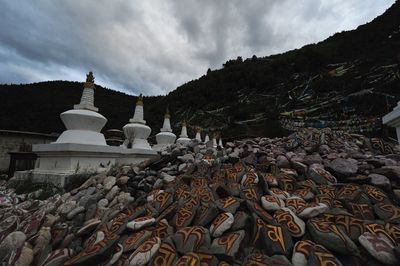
(145, 252)
(185, 214)
(287, 218)
(97, 249)
(388, 212)
(166, 255)
(331, 236)
(191, 239)
(274, 239)
(228, 204)
(133, 241)
(228, 244)
(220, 224)
(304, 254)
(380, 247)
(190, 258)
(272, 203)
(362, 211)
(321, 177)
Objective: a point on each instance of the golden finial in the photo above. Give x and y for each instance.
(140, 100)
(184, 123)
(198, 129)
(89, 80)
(167, 115)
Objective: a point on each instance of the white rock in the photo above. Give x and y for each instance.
(109, 182)
(167, 178)
(312, 211)
(140, 223)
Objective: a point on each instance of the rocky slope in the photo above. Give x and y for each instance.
(316, 197)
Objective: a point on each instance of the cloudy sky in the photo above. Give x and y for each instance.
(153, 46)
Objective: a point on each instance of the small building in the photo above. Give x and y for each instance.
(20, 141)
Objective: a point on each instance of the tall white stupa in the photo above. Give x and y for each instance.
(83, 123)
(183, 137)
(165, 137)
(136, 131)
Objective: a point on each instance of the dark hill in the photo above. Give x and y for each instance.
(347, 82)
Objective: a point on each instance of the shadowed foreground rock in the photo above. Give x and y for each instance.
(313, 198)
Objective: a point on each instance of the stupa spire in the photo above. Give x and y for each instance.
(87, 99)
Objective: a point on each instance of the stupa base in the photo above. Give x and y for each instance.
(57, 163)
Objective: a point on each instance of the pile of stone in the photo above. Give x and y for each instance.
(313, 198)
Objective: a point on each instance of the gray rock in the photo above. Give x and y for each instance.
(343, 167)
(282, 162)
(67, 207)
(392, 172)
(75, 211)
(380, 181)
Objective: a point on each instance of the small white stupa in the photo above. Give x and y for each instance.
(198, 134)
(206, 139)
(183, 137)
(220, 142)
(137, 132)
(165, 137)
(83, 123)
(214, 140)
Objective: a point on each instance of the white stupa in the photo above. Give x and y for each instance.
(82, 148)
(137, 132)
(165, 137)
(214, 140)
(206, 139)
(198, 134)
(183, 137)
(83, 123)
(220, 142)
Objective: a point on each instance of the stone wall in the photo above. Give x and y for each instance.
(11, 141)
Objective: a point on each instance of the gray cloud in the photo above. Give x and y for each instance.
(153, 46)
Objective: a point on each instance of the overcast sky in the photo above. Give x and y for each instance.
(152, 46)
